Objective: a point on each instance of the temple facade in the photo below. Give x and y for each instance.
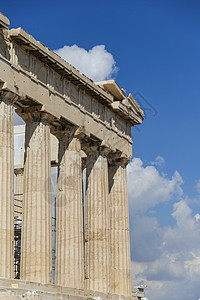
(90, 125)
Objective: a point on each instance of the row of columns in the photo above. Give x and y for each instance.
(96, 257)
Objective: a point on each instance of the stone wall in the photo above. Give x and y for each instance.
(24, 290)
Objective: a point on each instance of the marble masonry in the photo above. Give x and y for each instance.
(90, 126)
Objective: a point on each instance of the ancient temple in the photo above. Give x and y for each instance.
(91, 124)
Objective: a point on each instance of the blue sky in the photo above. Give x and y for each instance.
(156, 48)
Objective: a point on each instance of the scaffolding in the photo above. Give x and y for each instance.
(17, 234)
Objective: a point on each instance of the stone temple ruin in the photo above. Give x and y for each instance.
(91, 125)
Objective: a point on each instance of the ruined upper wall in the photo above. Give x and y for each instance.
(38, 76)
(4, 22)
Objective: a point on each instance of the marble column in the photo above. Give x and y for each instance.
(36, 253)
(97, 238)
(120, 277)
(69, 267)
(6, 189)
(18, 197)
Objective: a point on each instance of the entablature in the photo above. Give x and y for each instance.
(39, 77)
(51, 59)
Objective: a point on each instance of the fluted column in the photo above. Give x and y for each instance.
(6, 189)
(97, 221)
(18, 197)
(119, 230)
(69, 267)
(36, 264)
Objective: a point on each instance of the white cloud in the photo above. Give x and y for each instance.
(166, 259)
(145, 238)
(182, 213)
(173, 271)
(159, 162)
(147, 187)
(97, 63)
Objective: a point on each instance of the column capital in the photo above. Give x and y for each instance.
(117, 158)
(92, 147)
(18, 170)
(7, 96)
(68, 131)
(35, 114)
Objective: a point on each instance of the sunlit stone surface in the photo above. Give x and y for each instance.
(69, 270)
(91, 123)
(6, 188)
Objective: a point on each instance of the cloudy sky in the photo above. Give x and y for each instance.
(152, 49)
